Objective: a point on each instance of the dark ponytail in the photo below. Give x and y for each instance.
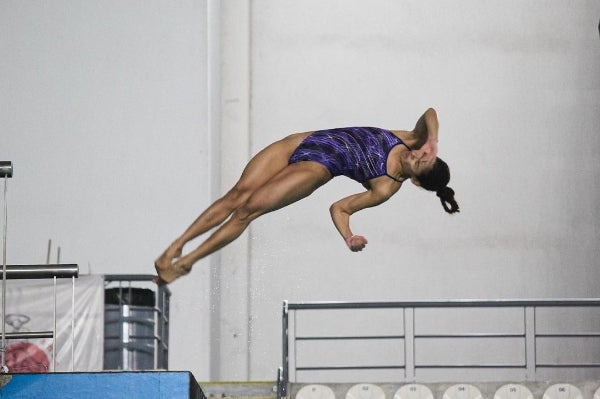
(437, 180)
(446, 196)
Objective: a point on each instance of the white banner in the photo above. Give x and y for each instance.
(30, 307)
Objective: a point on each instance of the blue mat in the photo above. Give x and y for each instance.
(106, 385)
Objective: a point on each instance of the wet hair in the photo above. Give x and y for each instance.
(436, 179)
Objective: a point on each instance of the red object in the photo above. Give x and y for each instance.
(25, 357)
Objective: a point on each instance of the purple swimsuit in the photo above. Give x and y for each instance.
(359, 153)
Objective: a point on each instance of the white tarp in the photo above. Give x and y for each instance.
(30, 307)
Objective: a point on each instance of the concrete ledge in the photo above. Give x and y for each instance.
(240, 389)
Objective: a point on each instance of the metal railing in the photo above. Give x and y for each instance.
(34, 272)
(525, 335)
(46, 271)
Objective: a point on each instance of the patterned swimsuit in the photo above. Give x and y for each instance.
(359, 153)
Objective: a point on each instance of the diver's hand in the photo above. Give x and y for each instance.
(356, 243)
(427, 153)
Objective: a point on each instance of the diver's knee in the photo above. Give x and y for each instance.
(237, 196)
(246, 213)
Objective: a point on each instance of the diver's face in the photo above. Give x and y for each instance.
(417, 165)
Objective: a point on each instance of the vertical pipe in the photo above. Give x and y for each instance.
(529, 326)
(48, 251)
(157, 317)
(160, 327)
(284, 351)
(73, 323)
(156, 341)
(213, 38)
(409, 343)
(4, 230)
(235, 148)
(121, 326)
(54, 331)
(294, 334)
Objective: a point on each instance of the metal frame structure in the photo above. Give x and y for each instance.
(408, 335)
(161, 317)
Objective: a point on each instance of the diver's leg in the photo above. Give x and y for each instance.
(261, 168)
(291, 184)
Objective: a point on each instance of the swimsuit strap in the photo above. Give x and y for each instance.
(400, 141)
(393, 178)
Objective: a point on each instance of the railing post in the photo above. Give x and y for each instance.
(73, 323)
(409, 343)
(530, 344)
(282, 385)
(54, 328)
(6, 172)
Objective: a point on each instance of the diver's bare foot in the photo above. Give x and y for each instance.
(172, 272)
(164, 264)
(165, 260)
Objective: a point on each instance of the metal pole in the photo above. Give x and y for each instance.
(158, 328)
(54, 331)
(409, 343)
(529, 337)
(73, 323)
(282, 391)
(4, 231)
(32, 272)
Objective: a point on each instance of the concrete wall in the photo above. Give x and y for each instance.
(517, 91)
(104, 113)
(111, 113)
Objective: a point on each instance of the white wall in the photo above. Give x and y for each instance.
(517, 90)
(104, 111)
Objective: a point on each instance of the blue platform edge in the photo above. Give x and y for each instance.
(103, 385)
